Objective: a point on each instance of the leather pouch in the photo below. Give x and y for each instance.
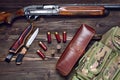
(75, 49)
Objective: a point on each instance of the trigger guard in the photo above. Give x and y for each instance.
(32, 18)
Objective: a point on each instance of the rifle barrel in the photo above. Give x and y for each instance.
(107, 6)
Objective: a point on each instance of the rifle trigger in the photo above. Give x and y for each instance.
(32, 17)
(35, 17)
(29, 17)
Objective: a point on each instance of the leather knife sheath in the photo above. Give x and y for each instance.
(75, 49)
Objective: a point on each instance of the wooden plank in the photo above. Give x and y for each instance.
(43, 70)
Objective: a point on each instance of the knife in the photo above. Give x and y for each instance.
(18, 43)
(26, 47)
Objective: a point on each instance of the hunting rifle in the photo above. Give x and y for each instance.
(34, 11)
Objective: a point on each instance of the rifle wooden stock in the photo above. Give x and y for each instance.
(8, 17)
(82, 10)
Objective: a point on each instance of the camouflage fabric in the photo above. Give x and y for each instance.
(112, 38)
(102, 60)
(117, 77)
(111, 68)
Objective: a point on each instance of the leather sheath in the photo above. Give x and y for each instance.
(75, 49)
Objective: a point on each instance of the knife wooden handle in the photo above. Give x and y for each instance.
(21, 55)
(9, 57)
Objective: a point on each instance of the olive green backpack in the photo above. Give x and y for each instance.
(102, 60)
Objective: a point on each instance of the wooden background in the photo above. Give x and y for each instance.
(33, 67)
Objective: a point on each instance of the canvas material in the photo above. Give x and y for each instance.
(102, 60)
(112, 38)
(111, 68)
(117, 77)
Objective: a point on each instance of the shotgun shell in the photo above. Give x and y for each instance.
(43, 46)
(57, 37)
(64, 37)
(58, 48)
(49, 37)
(40, 54)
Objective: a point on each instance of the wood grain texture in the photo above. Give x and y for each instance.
(33, 67)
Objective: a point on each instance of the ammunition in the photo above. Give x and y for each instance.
(49, 37)
(53, 55)
(64, 37)
(41, 54)
(57, 37)
(43, 46)
(58, 48)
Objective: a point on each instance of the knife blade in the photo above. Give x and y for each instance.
(25, 48)
(18, 43)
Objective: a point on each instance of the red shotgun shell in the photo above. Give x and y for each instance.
(40, 54)
(57, 37)
(49, 37)
(43, 46)
(64, 37)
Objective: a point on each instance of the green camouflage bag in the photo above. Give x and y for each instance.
(112, 66)
(93, 61)
(102, 60)
(117, 77)
(110, 69)
(112, 38)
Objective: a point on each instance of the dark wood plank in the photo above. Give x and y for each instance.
(42, 70)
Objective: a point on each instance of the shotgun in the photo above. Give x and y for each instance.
(34, 11)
